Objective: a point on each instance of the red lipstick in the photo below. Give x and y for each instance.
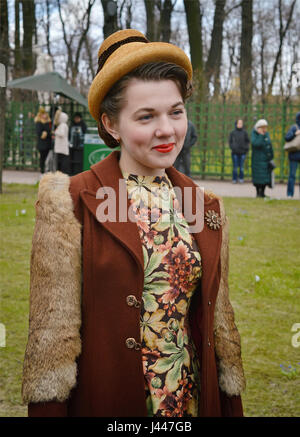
(164, 148)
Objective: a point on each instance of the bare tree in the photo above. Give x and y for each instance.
(79, 36)
(110, 10)
(28, 61)
(151, 32)
(282, 33)
(4, 43)
(158, 17)
(246, 52)
(213, 63)
(125, 14)
(194, 25)
(4, 59)
(17, 52)
(166, 8)
(48, 21)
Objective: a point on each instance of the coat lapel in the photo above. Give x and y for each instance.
(108, 174)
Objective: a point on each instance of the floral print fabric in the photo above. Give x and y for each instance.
(172, 270)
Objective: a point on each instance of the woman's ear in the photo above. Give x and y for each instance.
(110, 126)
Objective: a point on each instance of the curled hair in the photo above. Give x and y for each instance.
(113, 102)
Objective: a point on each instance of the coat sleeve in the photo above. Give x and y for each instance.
(60, 131)
(230, 140)
(50, 368)
(247, 141)
(227, 338)
(291, 134)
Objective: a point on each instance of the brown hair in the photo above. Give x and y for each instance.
(114, 99)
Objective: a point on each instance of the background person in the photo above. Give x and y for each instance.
(183, 160)
(262, 154)
(61, 142)
(294, 157)
(239, 145)
(77, 130)
(134, 313)
(43, 130)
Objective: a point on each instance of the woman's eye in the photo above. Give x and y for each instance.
(145, 117)
(178, 112)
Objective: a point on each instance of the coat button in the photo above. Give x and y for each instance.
(131, 300)
(209, 302)
(208, 342)
(130, 343)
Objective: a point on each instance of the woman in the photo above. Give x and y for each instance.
(61, 143)
(43, 130)
(152, 331)
(262, 154)
(294, 157)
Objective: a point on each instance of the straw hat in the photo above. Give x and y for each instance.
(122, 52)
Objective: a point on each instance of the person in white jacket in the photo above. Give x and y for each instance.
(61, 143)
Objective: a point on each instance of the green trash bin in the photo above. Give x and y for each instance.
(94, 149)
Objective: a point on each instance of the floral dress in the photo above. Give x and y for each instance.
(172, 268)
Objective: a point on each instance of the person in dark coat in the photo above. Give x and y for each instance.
(77, 130)
(183, 160)
(43, 130)
(294, 157)
(239, 145)
(262, 154)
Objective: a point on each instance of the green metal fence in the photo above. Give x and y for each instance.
(211, 156)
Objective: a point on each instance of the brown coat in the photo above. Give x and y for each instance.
(110, 380)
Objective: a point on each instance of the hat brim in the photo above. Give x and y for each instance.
(125, 59)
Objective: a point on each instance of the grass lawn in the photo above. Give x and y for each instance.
(264, 286)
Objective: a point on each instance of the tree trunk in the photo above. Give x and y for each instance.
(48, 28)
(246, 52)
(110, 19)
(129, 15)
(262, 71)
(150, 17)
(28, 9)
(194, 25)
(165, 20)
(213, 63)
(18, 58)
(4, 59)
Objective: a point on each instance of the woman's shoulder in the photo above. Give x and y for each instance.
(54, 202)
(59, 195)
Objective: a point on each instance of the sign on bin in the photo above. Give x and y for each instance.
(94, 150)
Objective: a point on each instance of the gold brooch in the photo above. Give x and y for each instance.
(213, 219)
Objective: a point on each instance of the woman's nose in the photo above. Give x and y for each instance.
(164, 127)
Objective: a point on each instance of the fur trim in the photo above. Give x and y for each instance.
(49, 370)
(211, 194)
(226, 335)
